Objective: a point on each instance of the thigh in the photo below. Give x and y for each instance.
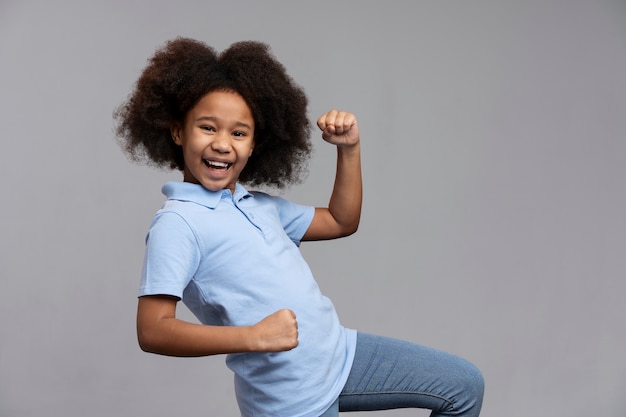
(389, 373)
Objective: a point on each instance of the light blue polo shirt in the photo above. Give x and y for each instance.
(234, 260)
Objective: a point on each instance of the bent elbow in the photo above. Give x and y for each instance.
(352, 228)
(147, 341)
(144, 344)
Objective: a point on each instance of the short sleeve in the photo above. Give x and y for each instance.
(294, 218)
(172, 256)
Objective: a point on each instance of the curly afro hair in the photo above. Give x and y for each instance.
(185, 70)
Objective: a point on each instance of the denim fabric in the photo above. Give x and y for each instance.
(389, 373)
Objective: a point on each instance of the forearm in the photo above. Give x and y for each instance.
(343, 214)
(173, 337)
(346, 198)
(159, 331)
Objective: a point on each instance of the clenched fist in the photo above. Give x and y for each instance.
(277, 332)
(339, 128)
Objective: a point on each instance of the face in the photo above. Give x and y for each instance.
(217, 137)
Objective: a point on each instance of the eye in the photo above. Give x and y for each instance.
(208, 128)
(239, 134)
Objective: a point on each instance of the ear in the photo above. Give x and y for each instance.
(176, 132)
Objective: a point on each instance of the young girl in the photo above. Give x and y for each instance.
(231, 255)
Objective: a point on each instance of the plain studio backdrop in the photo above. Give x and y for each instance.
(494, 158)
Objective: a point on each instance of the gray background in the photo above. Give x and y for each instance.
(494, 154)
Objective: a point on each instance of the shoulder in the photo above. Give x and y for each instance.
(283, 206)
(170, 225)
(262, 196)
(265, 198)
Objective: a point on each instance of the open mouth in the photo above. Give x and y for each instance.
(218, 165)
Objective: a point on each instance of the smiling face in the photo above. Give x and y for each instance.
(217, 137)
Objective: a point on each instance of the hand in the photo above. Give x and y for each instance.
(277, 332)
(339, 128)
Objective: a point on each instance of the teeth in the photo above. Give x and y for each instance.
(217, 164)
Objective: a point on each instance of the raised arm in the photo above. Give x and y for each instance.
(159, 331)
(342, 216)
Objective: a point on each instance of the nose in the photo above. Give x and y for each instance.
(221, 143)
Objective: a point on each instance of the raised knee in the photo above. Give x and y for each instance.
(474, 388)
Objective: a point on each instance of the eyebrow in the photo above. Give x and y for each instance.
(215, 120)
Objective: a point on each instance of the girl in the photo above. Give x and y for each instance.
(231, 255)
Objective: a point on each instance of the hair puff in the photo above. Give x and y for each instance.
(183, 71)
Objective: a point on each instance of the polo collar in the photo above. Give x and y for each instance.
(196, 193)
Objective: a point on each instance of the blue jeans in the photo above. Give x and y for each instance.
(389, 373)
